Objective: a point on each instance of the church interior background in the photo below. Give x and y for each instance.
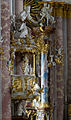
(35, 59)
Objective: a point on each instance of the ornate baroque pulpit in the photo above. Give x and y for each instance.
(32, 55)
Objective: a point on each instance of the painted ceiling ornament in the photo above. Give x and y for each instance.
(26, 71)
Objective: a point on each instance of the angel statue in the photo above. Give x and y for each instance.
(26, 14)
(24, 29)
(21, 108)
(26, 65)
(37, 94)
(46, 13)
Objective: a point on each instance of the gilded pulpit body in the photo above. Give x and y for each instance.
(35, 59)
(32, 56)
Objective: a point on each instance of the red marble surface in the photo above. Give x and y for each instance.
(6, 99)
(69, 59)
(59, 75)
(60, 81)
(18, 6)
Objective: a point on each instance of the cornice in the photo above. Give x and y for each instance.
(62, 9)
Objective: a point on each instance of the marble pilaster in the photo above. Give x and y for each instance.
(59, 78)
(18, 6)
(6, 82)
(69, 59)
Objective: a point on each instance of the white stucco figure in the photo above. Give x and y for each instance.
(24, 30)
(60, 51)
(45, 12)
(26, 65)
(31, 70)
(20, 109)
(37, 100)
(26, 14)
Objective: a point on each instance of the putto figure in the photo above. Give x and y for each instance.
(46, 13)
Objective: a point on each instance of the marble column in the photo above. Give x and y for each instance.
(44, 78)
(69, 56)
(12, 7)
(0, 71)
(59, 78)
(18, 6)
(52, 84)
(51, 89)
(6, 81)
(44, 81)
(65, 63)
